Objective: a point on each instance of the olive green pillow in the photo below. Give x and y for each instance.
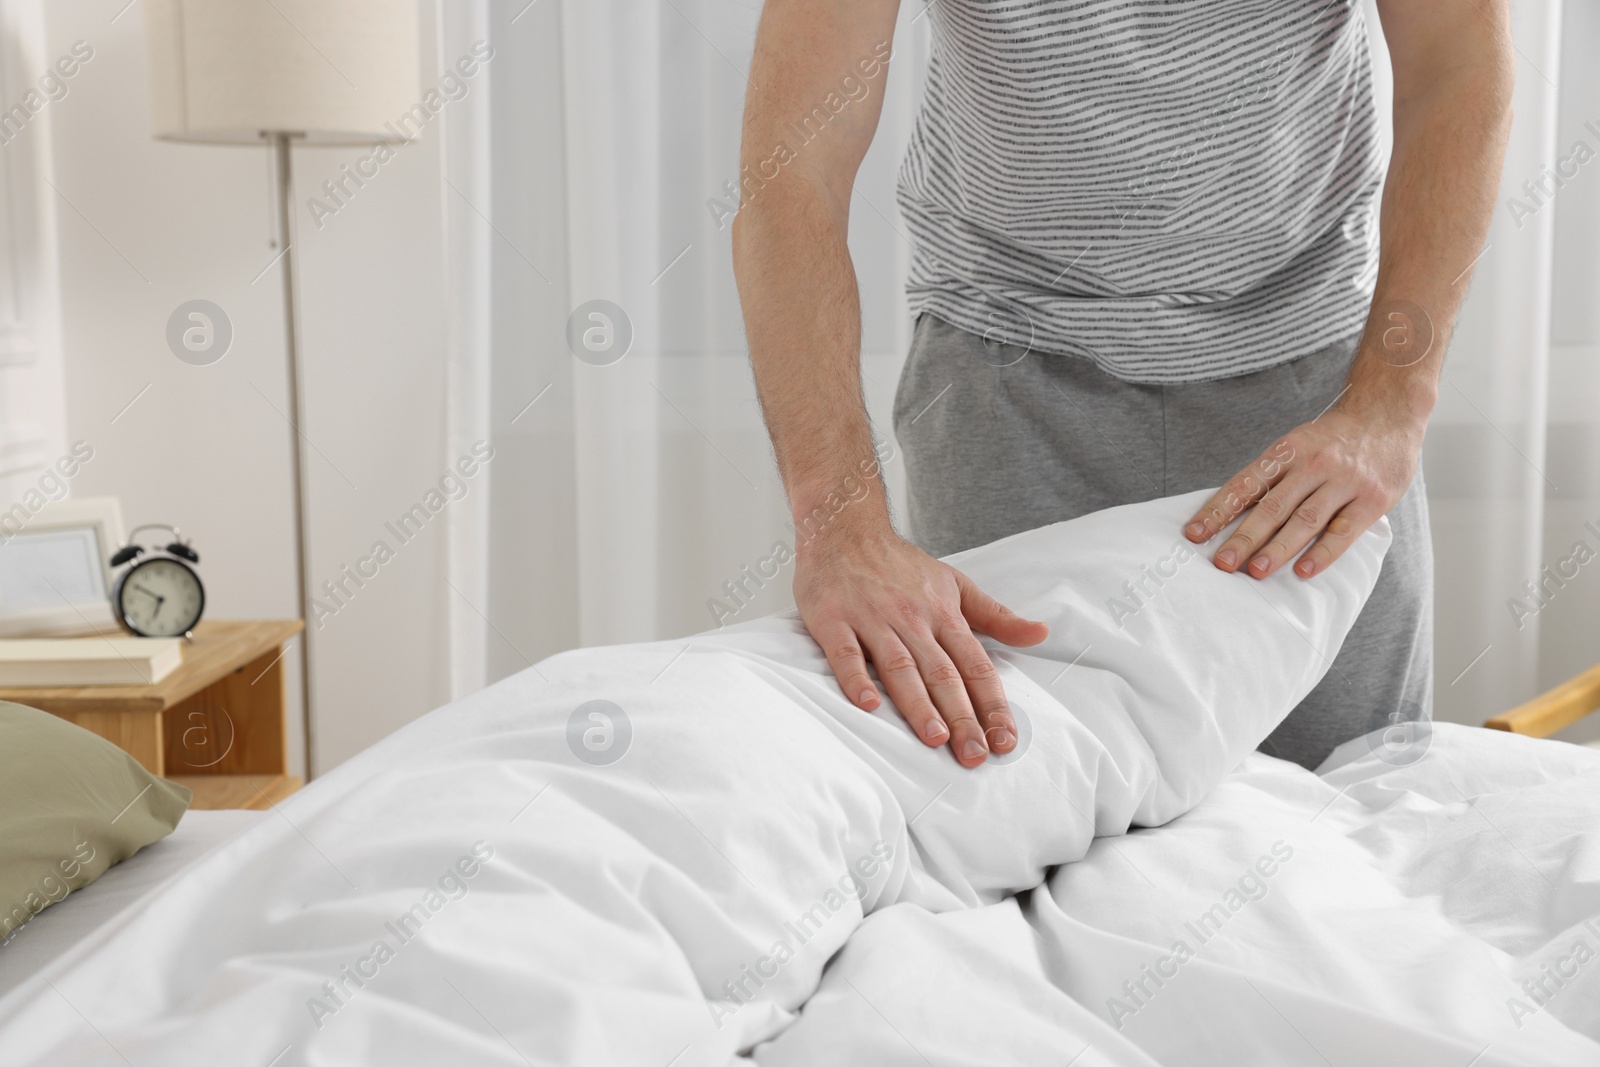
(71, 805)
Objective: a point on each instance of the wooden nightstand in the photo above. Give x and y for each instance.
(216, 724)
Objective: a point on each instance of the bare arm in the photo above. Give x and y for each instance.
(817, 80)
(1334, 477)
(796, 282)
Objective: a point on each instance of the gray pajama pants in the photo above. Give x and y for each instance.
(998, 440)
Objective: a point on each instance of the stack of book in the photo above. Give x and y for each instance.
(88, 661)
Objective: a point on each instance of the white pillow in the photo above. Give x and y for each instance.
(1159, 675)
(1204, 664)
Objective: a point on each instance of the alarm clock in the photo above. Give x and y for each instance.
(161, 595)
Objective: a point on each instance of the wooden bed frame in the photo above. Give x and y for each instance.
(1551, 711)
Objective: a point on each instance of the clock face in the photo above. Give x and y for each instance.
(160, 598)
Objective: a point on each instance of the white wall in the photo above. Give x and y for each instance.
(152, 225)
(32, 405)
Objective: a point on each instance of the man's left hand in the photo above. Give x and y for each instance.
(1329, 480)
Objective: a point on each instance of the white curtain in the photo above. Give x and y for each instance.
(630, 494)
(1510, 456)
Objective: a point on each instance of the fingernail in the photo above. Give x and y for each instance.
(867, 696)
(935, 730)
(1227, 558)
(974, 749)
(1259, 565)
(1305, 567)
(1195, 529)
(999, 737)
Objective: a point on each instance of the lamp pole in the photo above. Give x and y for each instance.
(297, 407)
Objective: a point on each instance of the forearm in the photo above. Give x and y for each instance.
(1347, 468)
(816, 90)
(802, 317)
(1449, 143)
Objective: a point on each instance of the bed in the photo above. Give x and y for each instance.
(698, 853)
(76, 918)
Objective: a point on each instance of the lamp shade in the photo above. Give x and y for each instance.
(331, 71)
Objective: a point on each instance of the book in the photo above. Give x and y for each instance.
(83, 661)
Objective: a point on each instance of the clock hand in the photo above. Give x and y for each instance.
(159, 599)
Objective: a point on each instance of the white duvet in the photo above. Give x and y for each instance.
(687, 852)
(1444, 914)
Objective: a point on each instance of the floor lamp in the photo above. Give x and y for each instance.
(323, 72)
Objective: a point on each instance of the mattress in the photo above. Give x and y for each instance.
(69, 922)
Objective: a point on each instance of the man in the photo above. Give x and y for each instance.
(1145, 260)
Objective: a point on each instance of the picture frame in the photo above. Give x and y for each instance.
(55, 572)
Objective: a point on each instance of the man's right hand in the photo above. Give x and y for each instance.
(866, 594)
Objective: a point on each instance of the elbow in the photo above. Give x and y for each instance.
(1497, 81)
(1491, 63)
(750, 203)
(1475, 73)
(743, 222)
(1501, 84)
(789, 204)
(741, 238)
(1483, 88)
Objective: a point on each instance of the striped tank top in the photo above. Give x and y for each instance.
(1178, 190)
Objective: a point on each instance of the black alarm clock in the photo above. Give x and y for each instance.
(161, 595)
